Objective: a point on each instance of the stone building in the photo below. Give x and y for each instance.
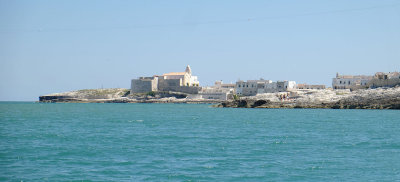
(175, 82)
(144, 84)
(307, 86)
(351, 82)
(254, 87)
(381, 79)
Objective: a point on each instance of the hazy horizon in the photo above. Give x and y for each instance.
(49, 46)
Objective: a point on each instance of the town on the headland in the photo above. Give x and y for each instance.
(348, 91)
(185, 82)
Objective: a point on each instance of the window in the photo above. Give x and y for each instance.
(349, 82)
(340, 82)
(247, 85)
(239, 86)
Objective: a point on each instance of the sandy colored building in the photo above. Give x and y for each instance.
(174, 81)
(186, 78)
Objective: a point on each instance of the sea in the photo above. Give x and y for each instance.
(195, 142)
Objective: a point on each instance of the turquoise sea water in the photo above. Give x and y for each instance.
(195, 142)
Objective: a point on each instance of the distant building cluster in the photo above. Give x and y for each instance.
(355, 82)
(187, 83)
(385, 80)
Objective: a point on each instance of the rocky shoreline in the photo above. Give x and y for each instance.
(120, 95)
(380, 98)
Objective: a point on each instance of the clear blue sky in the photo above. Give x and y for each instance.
(56, 46)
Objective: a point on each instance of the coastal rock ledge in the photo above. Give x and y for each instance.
(120, 95)
(380, 98)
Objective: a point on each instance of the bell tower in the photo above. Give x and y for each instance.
(188, 70)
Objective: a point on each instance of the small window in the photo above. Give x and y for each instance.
(239, 86)
(349, 82)
(340, 82)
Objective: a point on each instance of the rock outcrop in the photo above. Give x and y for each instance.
(120, 95)
(87, 95)
(380, 98)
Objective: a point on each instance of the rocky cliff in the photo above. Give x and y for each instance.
(380, 98)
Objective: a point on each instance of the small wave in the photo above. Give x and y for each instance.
(209, 167)
(138, 120)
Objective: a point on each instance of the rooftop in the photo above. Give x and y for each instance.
(174, 73)
(354, 76)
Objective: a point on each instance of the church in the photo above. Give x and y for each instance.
(186, 77)
(175, 81)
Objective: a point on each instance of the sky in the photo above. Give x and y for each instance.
(56, 46)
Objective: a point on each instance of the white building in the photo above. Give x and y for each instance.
(350, 81)
(254, 87)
